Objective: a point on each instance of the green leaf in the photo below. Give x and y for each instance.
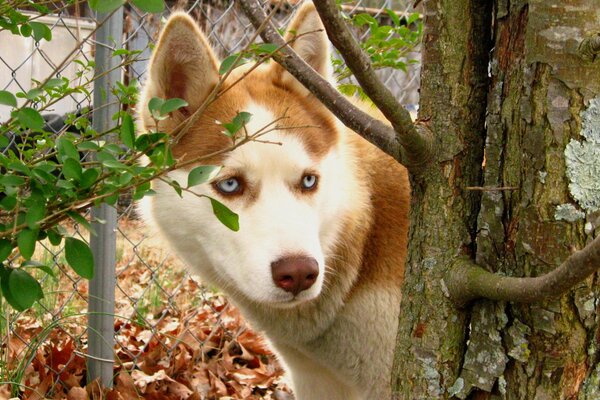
(114, 164)
(413, 18)
(8, 203)
(7, 98)
(6, 248)
(26, 242)
(202, 174)
(19, 166)
(35, 214)
(347, 89)
(150, 6)
(54, 82)
(147, 139)
(54, 237)
(33, 94)
(80, 257)
(30, 118)
(120, 52)
(127, 133)
(105, 6)
(267, 47)
(241, 119)
(72, 169)
(40, 266)
(141, 191)
(158, 155)
(225, 215)
(66, 149)
(104, 155)
(175, 185)
(43, 176)
(228, 63)
(125, 178)
(24, 288)
(112, 199)
(4, 280)
(364, 18)
(80, 219)
(171, 105)
(154, 106)
(64, 184)
(393, 16)
(26, 30)
(40, 31)
(88, 178)
(113, 148)
(12, 180)
(88, 146)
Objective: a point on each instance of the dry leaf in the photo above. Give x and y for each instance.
(77, 393)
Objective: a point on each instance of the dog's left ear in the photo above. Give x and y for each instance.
(182, 66)
(309, 41)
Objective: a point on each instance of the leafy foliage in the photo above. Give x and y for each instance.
(106, 6)
(256, 52)
(388, 46)
(48, 177)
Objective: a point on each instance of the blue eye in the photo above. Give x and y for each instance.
(309, 182)
(229, 186)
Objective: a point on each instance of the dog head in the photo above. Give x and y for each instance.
(290, 185)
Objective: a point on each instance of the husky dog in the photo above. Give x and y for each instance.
(318, 260)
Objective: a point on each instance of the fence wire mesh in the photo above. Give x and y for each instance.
(170, 331)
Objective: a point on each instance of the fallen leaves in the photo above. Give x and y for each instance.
(175, 339)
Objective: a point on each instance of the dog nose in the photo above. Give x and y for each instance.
(295, 274)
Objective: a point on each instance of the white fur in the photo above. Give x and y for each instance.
(299, 224)
(279, 222)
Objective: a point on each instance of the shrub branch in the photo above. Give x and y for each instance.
(414, 143)
(413, 151)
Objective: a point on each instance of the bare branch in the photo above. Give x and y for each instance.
(466, 281)
(375, 131)
(417, 147)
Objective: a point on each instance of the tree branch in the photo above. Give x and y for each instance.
(466, 281)
(375, 131)
(414, 143)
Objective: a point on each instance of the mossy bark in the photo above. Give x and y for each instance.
(453, 89)
(528, 111)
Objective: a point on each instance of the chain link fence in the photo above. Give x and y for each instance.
(169, 331)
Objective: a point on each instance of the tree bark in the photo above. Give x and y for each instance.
(542, 137)
(431, 333)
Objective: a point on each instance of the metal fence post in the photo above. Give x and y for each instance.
(101, 305)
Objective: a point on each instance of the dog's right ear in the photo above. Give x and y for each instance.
(182, 64)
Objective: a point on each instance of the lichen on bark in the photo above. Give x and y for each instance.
(537, 98)
(583, 160)
(485, 358)
(536, 106)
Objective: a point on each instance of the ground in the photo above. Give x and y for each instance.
(175, 338)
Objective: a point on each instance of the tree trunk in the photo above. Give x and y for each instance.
(542, 148)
